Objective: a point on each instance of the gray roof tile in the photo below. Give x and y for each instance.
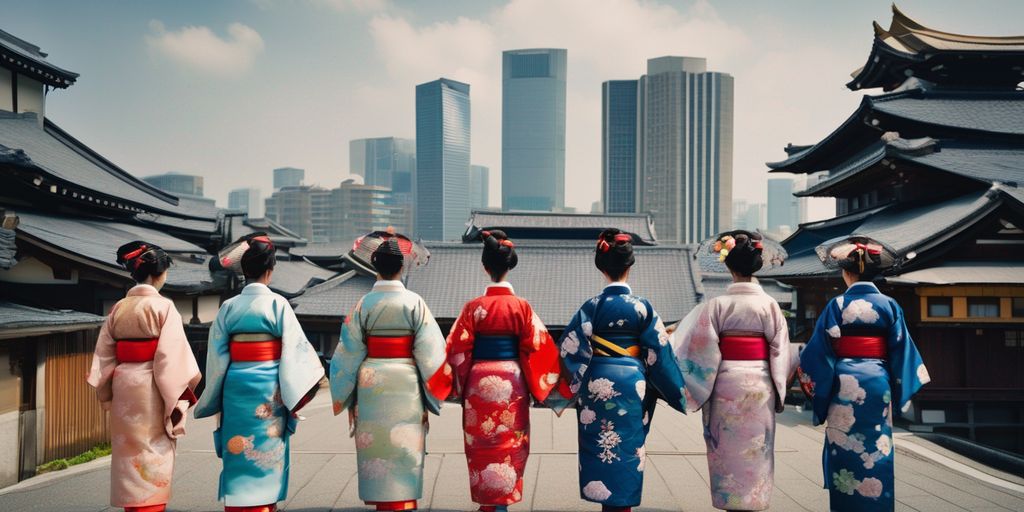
(17, 316)
(639, 224)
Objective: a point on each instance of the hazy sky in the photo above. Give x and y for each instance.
(229, 90)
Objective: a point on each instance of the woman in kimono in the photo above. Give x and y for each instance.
(260, 371)
(388, 370)
(859, 363)
(144, 372)
(616, 355)
(502, 355)
(736, 362)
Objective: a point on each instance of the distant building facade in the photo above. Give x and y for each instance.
(341, 214)
(533, 129)
(288, 177)
(749, 216)
(479, 187)
(248, 200)
(442, 159)
(177, 184)
(678, 155)
(783, 206)
(388, 162)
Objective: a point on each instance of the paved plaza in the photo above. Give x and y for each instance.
(323, 474)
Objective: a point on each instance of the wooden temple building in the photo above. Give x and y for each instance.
(65, 209)
(932, 165)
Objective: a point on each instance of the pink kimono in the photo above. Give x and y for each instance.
(735, 358)
(144, 372)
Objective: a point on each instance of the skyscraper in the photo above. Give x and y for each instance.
(334, 215)
(247, 200)
(533, 129)
(681, 144)
(783, 207)
(479, 187)
(177, 183)
(388, 162)
(288, 177)
(442, 159)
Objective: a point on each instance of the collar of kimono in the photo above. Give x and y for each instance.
(502, 288)
(143, 289)
(862, 287)
(744, 288)
(388, 285)
(255, 289)
(618, 287)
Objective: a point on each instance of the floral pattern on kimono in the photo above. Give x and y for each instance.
(615, 396)
(495, 394)
(854, 397)
(142, 396)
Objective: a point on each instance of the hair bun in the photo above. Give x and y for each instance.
(741, 251)
(143, 260)
(499, 254)
(614, 252)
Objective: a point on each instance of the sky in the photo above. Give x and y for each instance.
(231, 89)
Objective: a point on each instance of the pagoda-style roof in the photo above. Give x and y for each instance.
(563, 226)
(983, 164)
(914, 113)
(909, 49)
(27, 59)
(18, 321)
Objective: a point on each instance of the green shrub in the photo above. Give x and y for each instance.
(100, 450)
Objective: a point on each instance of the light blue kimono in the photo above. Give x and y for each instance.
(616, 395)
(855, 396)
(256, 399)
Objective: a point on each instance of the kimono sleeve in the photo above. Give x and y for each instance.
(818, 362)
(104, 360)
(218, 358)
(662, 371)
(780, 362)
(460, 349)
(174, 366)
(695, 343)
(905, 365)
(348, 355)
(538, 356)
(300, 369)
(575, 353)
(430, 352)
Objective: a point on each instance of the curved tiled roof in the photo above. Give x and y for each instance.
(546, 225)
(30, 61)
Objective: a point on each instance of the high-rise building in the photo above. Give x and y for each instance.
(748, 216)
(288, 177)
(442, 159)
(292, 207)
(479, 187)
(177, 183)
(783, 206)
(533, 129)
(679, 149)
(388, 162)
(247, 200)
(334, 215)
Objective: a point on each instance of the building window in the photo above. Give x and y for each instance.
(983, 307)
(1015, 339)
(940, 307)
(1018, 307)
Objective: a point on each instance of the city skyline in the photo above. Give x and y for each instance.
(220, 60)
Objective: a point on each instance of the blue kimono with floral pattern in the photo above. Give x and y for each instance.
(855, 396)
(615, 395)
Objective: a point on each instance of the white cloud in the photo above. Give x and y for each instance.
(197, 47)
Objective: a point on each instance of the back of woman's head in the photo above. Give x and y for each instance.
(744, 251)
(499, 255)
(614, 252)
(860, 257)
(388, 258)
(260, 257)
(143, 260)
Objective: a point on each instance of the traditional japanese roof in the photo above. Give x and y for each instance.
(293, 277)
(8, 248)
(913, 113)
(563, 226)
(555, 276)
(964, 272)
(94, 242)
(984, 164)
(242, 225)
(27, 59)
(72, 171)
(18, 321)
(327, 250)
(909, 49)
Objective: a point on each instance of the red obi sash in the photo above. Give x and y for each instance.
(868, 347)
(389, 347)
(254, 348)
(136, 351)
(743, 347)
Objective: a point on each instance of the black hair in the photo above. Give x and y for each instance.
(260, 257)
(388, 259)
(499, 255)
(862, 263)
(614, 253)
(143, 260)
(745, 257)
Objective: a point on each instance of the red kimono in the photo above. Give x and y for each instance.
(499, 349)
